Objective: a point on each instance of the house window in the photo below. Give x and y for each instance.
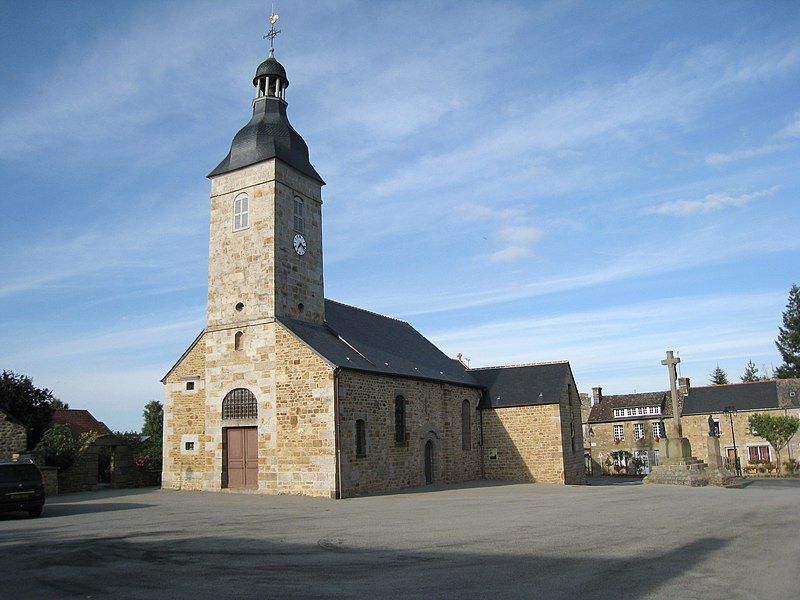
(188, 446)
(299, 218)
(715, 430)
(466, 426)
(361, 438)
(239, 404)
(758, 453)
(655, 458)
(619, 434)
(189, 386)
(237, 340)
(658, 429)
(619, 412)
(241, 212)
(638, 431)
(400, 420)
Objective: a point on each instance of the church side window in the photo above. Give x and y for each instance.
(237, 340)
(619, 434)
(361, 438)
(241, 212)
(299, 217)
(466, 425)
(400, 420)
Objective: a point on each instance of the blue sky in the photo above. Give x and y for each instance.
(598, 182)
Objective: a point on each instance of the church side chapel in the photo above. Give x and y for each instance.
(287, 392)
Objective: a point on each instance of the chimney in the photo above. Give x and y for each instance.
(683, 386)
(597, 395)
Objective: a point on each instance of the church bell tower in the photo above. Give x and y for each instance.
(265, 250)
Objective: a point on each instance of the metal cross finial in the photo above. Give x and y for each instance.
(272, 33)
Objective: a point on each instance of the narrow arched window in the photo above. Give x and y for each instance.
(299, 216)
(400, 420)
(361, 438)
(239, 404)
(237, 340)
(466, 425)
(241, 212)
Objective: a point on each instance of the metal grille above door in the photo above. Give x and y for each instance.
(239, 404)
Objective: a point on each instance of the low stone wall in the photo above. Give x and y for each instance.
(50, 478)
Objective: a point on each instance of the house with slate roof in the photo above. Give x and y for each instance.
(288, 392)
(629, 426)
(13, 435)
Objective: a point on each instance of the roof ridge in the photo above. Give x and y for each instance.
(720, 385)
(530, 364)
(636, 394)
(372, 312)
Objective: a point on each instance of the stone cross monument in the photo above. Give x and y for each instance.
(671, 362)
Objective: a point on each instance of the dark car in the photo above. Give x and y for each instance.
(21, 488)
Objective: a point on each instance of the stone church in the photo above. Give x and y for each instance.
(287, 392)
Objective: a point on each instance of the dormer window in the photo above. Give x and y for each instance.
(299, 218)
(241, 212)
(638, 411)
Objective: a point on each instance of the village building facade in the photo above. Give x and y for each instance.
(627, 427)
(287, 392)
(13, 435)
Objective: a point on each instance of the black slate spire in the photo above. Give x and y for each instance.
(268, 134)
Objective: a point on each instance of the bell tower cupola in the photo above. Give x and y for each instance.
(265, 250)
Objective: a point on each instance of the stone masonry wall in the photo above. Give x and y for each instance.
(305, 455)
(572, 437)
(13, 438)
(184, 417)
(695, 428)
(528, 441)
(433, 412)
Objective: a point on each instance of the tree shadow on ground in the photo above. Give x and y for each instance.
(78, 508)
(161, 565)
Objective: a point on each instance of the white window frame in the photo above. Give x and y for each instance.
(657, 428)
(621, 435)
(241, 211)
(299, 215)
(638, 428)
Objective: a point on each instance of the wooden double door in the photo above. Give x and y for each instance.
(241, 457)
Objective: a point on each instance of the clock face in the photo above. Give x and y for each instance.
(299, 244)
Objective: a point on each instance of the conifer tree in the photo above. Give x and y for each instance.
(719, 377)
(788, 342)
(751, 373)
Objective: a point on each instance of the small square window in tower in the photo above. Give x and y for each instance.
(299, 218)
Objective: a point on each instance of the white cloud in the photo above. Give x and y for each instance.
(792, 130)
(718, 158)
(710, 203)
(510, 254)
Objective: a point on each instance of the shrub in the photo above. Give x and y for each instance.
(57, 447)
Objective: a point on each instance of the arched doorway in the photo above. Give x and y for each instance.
(428, 462)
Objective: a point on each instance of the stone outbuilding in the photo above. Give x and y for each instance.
(13, 435)
(287, 392)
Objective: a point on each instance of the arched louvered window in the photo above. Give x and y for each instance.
(400, 420)
(241, 212)
(299, 216)
(466, 425)
(239, 404)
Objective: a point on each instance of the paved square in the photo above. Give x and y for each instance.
(477, 541)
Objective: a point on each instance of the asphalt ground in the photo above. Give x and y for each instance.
(472, 541)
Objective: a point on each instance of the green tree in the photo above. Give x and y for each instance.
(153, 419)
(788, 341)
(149, 452)
(777, 430)
(28, 403)
(57, 446)
(751, 373)
(719, 377)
